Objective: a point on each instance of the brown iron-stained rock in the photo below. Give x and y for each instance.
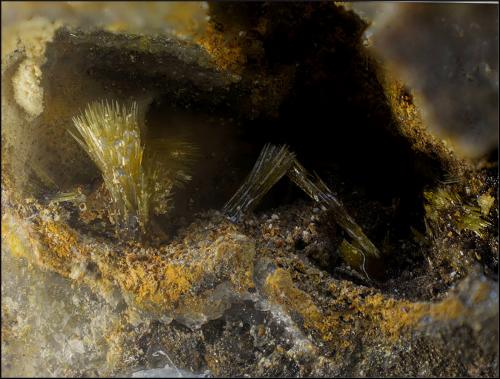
(278, 293)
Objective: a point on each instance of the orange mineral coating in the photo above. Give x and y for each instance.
(226, 52)
(390, 316)
(158, 279)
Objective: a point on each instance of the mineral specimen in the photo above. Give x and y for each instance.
(287, 290)
(138, 178)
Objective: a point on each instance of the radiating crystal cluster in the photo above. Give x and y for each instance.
(273, 163)
(271, 166)
(139, 179)
(288, 291)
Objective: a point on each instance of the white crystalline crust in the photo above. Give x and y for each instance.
(31, 37)
(27, 90)
(166, 372)
(59, 329)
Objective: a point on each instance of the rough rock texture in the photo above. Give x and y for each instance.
(449, 56)
(276, 294)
